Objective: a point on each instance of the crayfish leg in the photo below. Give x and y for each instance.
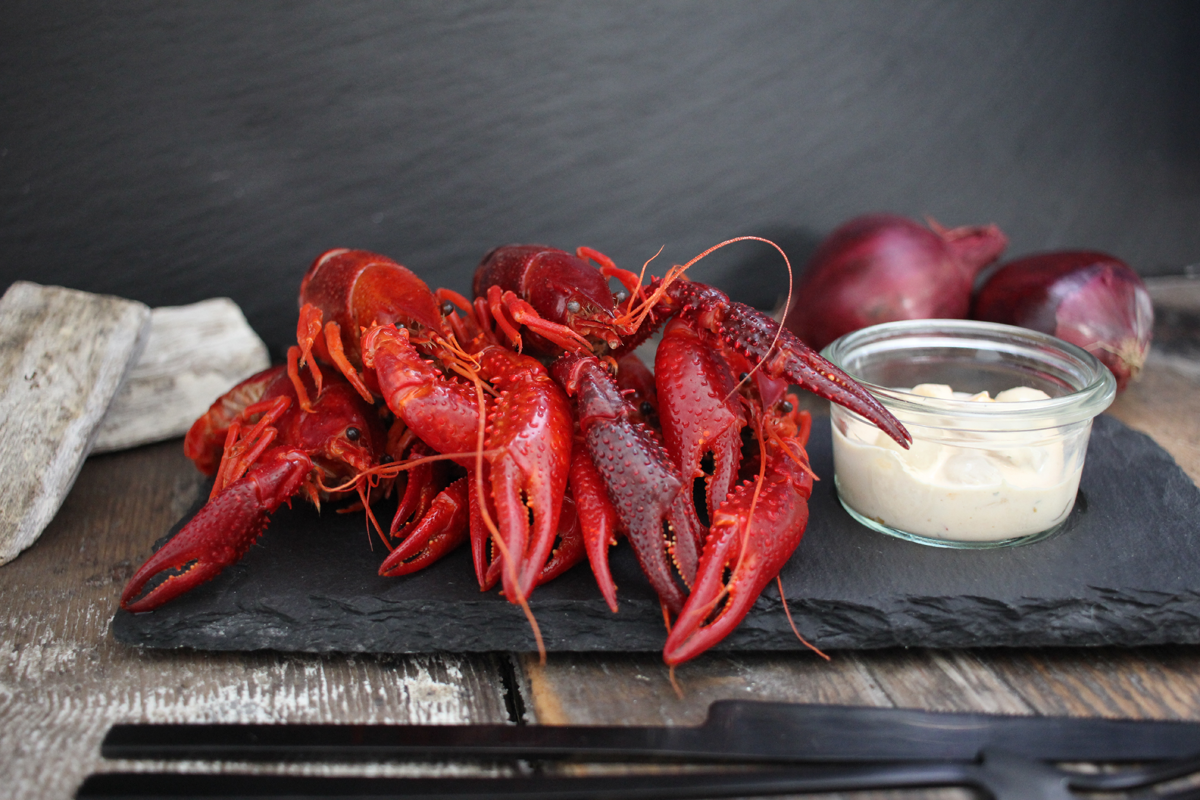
(441, 529)
(205, 441)
(333, 345)
(308, 332)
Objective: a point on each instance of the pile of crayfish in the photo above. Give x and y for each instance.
(523, 422)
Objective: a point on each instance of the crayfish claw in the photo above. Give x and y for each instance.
(569, 547)
(529, 440)
(221, 532)
(597, 519)
(753, 534)
(637, 473)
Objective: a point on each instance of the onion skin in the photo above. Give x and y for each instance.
(881, 268)
(1084, 297)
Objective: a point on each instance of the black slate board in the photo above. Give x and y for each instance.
(1125, 570)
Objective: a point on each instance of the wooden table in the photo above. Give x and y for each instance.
(63, 680)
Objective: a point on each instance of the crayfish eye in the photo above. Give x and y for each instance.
(573, 306)
(353, 434)
(785, 407)
(621, 296)
(386, 458)
(447, 308)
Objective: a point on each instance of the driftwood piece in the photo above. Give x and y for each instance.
(194, 355)
(63, 357)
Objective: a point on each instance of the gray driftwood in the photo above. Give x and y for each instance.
(63, 357)
(194, 355)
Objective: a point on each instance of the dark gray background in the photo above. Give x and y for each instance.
(172, 152)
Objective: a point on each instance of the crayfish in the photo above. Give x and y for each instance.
(522, 421)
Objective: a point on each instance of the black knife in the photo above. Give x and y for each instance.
(734, 732)
(1024, 782)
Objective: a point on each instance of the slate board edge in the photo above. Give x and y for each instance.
(929, 622)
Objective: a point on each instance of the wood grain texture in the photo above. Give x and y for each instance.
(1165, 403)
(63, 680)
(193, 355)
(1146, 683)
(63, 357)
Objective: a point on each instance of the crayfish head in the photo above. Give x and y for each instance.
(588, 310)
(566, 289)
(343, 434)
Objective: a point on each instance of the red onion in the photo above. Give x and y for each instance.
(881, 268)
(1090, 299)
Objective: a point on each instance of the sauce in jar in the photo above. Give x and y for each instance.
(956, 484)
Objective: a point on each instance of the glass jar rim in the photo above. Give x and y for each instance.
(1095, 391)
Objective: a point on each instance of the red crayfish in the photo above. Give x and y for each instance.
(522, 421)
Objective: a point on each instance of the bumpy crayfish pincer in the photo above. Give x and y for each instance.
(221, 532)
(753, 534)
(529, 440)
(637, 472)
(265, 449)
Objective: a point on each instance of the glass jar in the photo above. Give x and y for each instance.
(979, 474)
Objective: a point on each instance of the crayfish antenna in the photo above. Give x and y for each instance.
(637, 314)
(632, 284)
(783, 316)
(788, 614)
(674, 683)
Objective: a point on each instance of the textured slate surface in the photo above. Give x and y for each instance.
(1125, 570)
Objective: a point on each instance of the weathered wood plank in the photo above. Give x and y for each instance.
(63, 356)
(635, 689)
(193, 355)
(63, 680)
(941, 680)
(1165, 404)
(1149, 683)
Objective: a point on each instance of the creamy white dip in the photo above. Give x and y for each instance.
(957, 485)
